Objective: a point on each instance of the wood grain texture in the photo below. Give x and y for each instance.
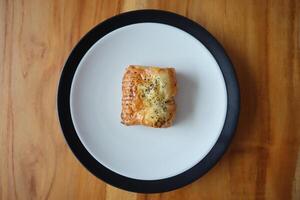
(261, 37)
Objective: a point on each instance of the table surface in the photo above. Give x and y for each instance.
(261, 37)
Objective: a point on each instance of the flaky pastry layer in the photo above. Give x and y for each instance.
(148, 96)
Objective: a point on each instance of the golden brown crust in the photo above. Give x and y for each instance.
(148, 96)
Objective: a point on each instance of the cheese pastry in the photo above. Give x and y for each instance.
(148, 96)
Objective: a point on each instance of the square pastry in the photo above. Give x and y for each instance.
(148, 96)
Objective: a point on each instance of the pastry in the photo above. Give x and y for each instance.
(148, 96)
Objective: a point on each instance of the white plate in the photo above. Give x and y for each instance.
(137, 158)
(136, 151)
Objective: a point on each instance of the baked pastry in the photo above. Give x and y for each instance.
(148, 96)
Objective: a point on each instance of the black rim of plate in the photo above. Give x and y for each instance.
(233, 99)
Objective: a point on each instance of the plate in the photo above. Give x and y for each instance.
(138, 158)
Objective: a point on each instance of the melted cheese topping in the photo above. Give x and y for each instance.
(154, 94)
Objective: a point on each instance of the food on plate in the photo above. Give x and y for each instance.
(148, 96)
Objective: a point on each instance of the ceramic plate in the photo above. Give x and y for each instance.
(138, 158)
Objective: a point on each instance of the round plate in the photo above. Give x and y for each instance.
(137, 158)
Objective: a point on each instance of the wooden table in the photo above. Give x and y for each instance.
(261, 37)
